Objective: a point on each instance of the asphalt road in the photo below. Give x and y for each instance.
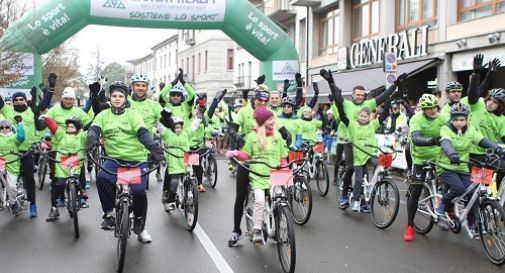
(332, 241)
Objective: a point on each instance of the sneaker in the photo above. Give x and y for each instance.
(169, 206)
(109, 222)
(201, 188)
(164, 196)
(33, 210)
(61, 202)
(440, 208)
(365, 208)
(138, 225)
(355, 206)
(257, 237)
(409, 234)
(145, 237)
(344, 202)
(15, 208)
(53, 214)
(233, 241)
(88, 185)
(84, 205)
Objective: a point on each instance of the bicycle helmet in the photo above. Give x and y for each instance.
(498, 94)
(288, 100)
(453, 86)
(139, 78)
(75, 121)
(8, 98)
(5, 123)
(118, 86)
(428, 101)
(238, 103)
(177, 89)
(459, 109)
(178, 120)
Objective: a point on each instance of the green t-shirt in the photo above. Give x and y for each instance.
(487, 123)
(445, 112)
(309, 129)
(245, 119)
(276, 111)
(68, 144)
(428, 128)
(197, 137)
(120, 134)
(149, 110)
(9, 144)
(28, 123)
(60, 114)
(176, 165)
(360, 135)
(461, 145)
(183, 109)
(351, 111)
(272, 154)
(212, 124)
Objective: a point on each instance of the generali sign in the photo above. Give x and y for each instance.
(408, 44)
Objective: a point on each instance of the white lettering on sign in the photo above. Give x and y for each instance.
(405, 45)
(161, 10)
(260, 30)
(51, 20)
(284, 70)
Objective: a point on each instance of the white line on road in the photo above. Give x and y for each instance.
(211, 249)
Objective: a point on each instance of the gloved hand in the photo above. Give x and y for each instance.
(500, 151)
(330, 97)
(231, 154)
(156, 153)
(42, 117)
(18, 119)
(399, 81)
(326, 74)
(223, 93)
(52, 81)
(33, 94)
(298, 78)
(94, 89)
(162, 85)
(316, 88)
(477, 63)
(166, 113)
(175, 81)
(454, 158)
(260, 80)
(102, 80)
(245, 93)
(286, 85)
(91, 143)
(286, 135)
(435, 141)
(494, 65)
(181, 76)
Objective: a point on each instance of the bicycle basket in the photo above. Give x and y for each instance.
(318, 148)
(385, 160)
(282, 177)
(481, 175)
(69, 161)
(295, 155)
(2, 164)
(128, 176)
(192, 159)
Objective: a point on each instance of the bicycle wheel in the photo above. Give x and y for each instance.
(42, 171)
(211, 171)
(285, 237)
(3, 196)
(491, 230)
(322, 178)
(339, 177)
(123, 224)
(191, 204)
(301, 200)
(385, 203)
(73, 201)
(423, 221)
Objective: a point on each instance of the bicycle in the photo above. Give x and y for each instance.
(73, 189)
(277, 218)
(300, 194)
(316, 167)
(187, 190)
(127, 175)
(491, 216)
(209, 164)
(20, 190)
(42, 147)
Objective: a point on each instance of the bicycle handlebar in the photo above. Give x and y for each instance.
(252, 162)
(123, 165)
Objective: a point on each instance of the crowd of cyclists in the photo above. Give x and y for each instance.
(258, 124)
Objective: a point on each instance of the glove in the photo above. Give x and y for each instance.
(435, 141)
(316, 89)
(477, 63)
(175, 81)
(223, 93)
(326, 74)
(94, 89)
(245, 94)
(286, 85)
(18, 119)
(260, 80)
(102, 80)
(330, 97)
(162, 84)
(42, 117)
(454, 159)
(401, 79)
(166, 113)
(156, 153)
(181, 77)
(52, 80)
(298, 78)
(494, 65)
(285, 135)
(500, 151)
(231, 154)
(91, 143)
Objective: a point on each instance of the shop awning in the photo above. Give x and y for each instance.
(372, 78)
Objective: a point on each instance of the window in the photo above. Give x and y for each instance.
(473, 9)
(165, 61)
(182, 63)
(205, 62)
(302, 39)
(329, 32)
(229, 58)
(249, 72)
(169, 58)
(193, 68)
(415, 13)
(199, 62)
(365, 19)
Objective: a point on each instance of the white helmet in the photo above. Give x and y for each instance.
(68, 92)
(139, 78)
(178, 120)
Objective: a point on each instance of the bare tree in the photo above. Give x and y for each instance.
(64, 62)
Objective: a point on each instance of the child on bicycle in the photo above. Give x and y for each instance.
(456, 139)
(264, 143)
(177, 136)
(9, 143)
(70, 140)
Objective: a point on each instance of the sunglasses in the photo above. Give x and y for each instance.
(19, 99)
(4, 127)
(175, 95)
(455, 91)
(459, 119)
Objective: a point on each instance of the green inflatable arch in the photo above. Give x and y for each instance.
(51, 23)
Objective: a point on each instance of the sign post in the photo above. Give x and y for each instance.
(390, 67)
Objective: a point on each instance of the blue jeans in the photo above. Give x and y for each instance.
(106, 184)
(457, 183)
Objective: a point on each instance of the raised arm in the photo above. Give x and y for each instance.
(313, 101)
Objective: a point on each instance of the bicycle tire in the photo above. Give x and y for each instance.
(42, 172)
(491, 210)
(423, 214)
(301, 200)
(285, 238)
(211, 171)
(322, 178)
(248, 211)
(381, 193)
(191, 204)
(123, 233)
(73, 201)
(339, 178)
(3, 196)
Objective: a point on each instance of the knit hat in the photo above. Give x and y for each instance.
(19, 94)
(262, 114)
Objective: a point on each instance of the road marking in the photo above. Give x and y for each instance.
(211, 249)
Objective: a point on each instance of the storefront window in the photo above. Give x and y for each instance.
(329, 32)
(415, 13)
(473, 9)
(365, 18)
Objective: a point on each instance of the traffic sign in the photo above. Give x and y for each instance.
(390, 78)
(390, 62)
